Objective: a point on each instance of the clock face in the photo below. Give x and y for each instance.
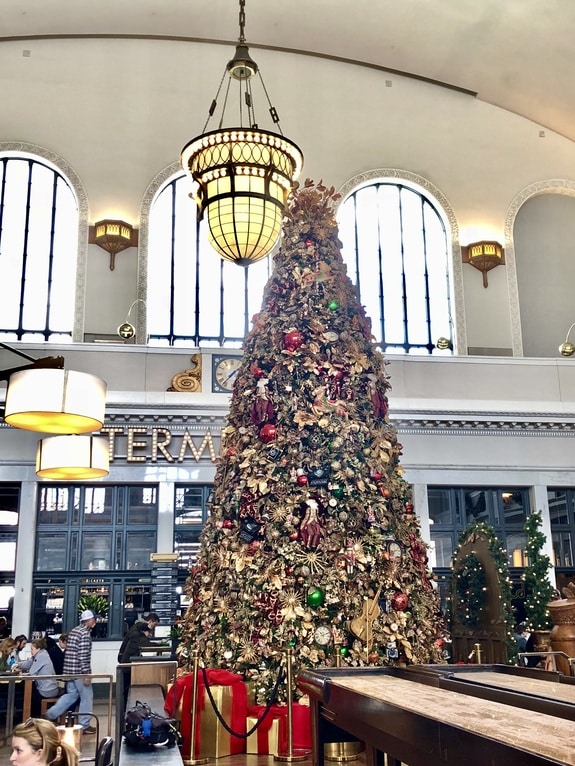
(224, 372)
(322, 635)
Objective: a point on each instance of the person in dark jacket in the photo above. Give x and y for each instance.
(151, 621)
(56, 649)
(137, 640)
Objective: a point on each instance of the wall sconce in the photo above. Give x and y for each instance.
(484, 256)
(113, 237)
(127, 330)
(73, 457)
(567, 348)
(444, 344)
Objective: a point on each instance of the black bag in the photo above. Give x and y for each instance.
(144, 729)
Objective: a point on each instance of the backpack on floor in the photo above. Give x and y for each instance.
(144, 729)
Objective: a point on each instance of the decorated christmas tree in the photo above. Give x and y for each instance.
(538, 588)
(312, 541)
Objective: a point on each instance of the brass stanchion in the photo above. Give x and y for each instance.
(192, 760)
(291, 755)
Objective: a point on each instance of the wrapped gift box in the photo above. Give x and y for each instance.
(265, 740)
(212, 740)
(271, 737)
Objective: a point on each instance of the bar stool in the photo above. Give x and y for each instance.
(46, 703)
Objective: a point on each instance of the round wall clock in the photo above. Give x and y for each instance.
(224, 372)
(322, 635)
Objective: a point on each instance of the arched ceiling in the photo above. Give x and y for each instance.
(516, 54)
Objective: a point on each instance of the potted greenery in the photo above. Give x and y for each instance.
(538, 589)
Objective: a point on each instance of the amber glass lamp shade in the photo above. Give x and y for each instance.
(55, 401)
(72, 457)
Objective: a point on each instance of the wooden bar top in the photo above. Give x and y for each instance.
(523, 729)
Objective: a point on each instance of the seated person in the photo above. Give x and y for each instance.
(56, 649)
(40, 665)
(7, 646)
(21, 651)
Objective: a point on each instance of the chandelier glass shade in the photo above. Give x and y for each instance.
(72, 457)
(243, 175)
(243, 179)
(55, 401)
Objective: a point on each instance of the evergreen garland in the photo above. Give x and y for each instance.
(538, 589)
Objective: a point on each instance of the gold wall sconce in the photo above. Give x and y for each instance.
(484, 256)
(567, 348)
(113, 236)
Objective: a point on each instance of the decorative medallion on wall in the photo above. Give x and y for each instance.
(189, 380)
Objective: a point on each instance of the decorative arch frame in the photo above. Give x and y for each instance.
(79, 189)
(421, 184)
(154, 187)
(548, 186)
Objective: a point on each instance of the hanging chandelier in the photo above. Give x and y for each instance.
(244, 174)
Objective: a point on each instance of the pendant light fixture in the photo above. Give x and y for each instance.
(72, 457)
(243, 174)
(55, 401)
(43, 396)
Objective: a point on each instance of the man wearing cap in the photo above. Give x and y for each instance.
(78, 660)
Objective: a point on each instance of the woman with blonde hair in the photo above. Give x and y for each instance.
(36, 743)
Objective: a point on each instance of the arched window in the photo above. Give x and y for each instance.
(193, 297)
(396, 245)
(38, 250)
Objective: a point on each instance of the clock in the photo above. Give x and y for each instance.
(224, 372)
(322, 635)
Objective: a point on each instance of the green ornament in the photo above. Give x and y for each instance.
(292, 642)
(337, 492)
(315, 597)
(333, 305)
(344, 651)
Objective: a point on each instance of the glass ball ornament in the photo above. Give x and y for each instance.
(315, 597)
(333, 305)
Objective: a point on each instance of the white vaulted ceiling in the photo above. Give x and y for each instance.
(516, 54)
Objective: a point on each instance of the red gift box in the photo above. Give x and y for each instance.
(301, 727)
(181, 701)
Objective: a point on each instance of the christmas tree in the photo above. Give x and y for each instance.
(312, 541)
(538, 589)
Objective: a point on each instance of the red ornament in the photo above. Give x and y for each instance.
(228, 524)
(309, 242)
(256, 371)
(408, 508)
(373, 657)
(268, 433)
(302, 480)
(293, 340)
(376, 475)
(399, 601)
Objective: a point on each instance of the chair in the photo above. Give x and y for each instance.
(104, 752)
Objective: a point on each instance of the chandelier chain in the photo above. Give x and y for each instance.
(242, 20)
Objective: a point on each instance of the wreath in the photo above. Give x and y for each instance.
(471, 589)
